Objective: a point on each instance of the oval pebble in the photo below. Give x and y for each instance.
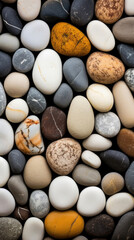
(10, 228)
(112, 183)
(5, 64)
(33, 229)
(127, 54)
(21, 213)
(3, 99)
(28, 10)
(129, 178)
(7, 202)
(4, 171)
(125, 141)
(129, 78)
(91, 159)
(96, 142)
(6, 137)
(63, 96)
(129, 7)
(5, 38)
(16, 161)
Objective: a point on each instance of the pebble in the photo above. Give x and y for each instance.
(109, 12)
(63, 96)
(53, 11)
(129, 78)
(33, 229)
(35, 35)
(28, 137)
(6, 137)
(91, 159)
(69, 40)
(86, 176)
(100, 97)
(4, 171)
(129, 178)
(10, 228)
(119, 203)
(3, 99)
(21, 213)
(124, 103)
(18, 188)
(47, 71)
(63, 193)
(62, 155)
(53, 123)
(11, 20)
(129, 7)
(7, 203)
(81, 12)
(112, 183)
(16, 84)
(91, 201)
(36, 101)
(75, 73)
(100, 226)
(39, 204)
(16, 161)
(59, 224)
(9, 1)
(125, 141)
(37, 174)
(16, 110)
(7, 38)
(116, 160)
(80, 237)
(5, 64)
(1, 24)
(127, 54)
(96, 143)
(80, 119)
(107, 124)
(28, 10)
(100, 36)
(23, 60)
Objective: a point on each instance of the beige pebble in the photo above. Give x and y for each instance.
(7, 38)
(91, 159)
(97, 143)
(28, 9)
(112, 183)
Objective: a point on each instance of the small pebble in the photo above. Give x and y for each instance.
(21, 213)
(6, 137)
(3, 99)
(96, 143)
(80, 238)
(91, 159)
(63, 96)
(127, 54)
(125, 140)
(129, 178)
(7, 202)
(1, 24)
(5, 64)
(5, 38)
(112, 183)
(16, 161)
(129, 78)
(28, 10)
(129, 7)
(10, 228)
(4, 171)
(33, 229)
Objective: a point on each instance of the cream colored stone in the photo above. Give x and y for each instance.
(8, 42)
(33, 229)
(91, 159)
(129, 7)
(28, 9)
(96, 142)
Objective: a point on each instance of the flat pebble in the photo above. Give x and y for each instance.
(1, 24)
(16, 161)
(6, 137)
(129, 178)
(3, 99)
(129, 7)
(127, 54)
(21, 213)
(91, 159)
(28, 10)
(63, 96)
(7, 202)
(5, 64)
(10, 228)
(129, 78)
(96, 142)
(5, 38)
(125, 141)
(33, 229)
(4, 171)
(112, 183)
(91, 201)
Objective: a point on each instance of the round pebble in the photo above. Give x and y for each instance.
(129, 78)
(97, 143)
(33, 229)
(3, 99)
(112, 183)
(63, 96)
(16, 161)
(6, 137)
(10, 228)
(7, 202)
(127, 54)
(129, 7)
(28, 10)
(4, 171)
(21, 213)
(91, 159)
(5, 64)
(125, 139)
(5, 38)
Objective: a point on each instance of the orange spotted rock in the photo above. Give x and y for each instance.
(69, 40)
(64, 225)
(125, 141)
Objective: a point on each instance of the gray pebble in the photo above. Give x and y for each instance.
(5, 64)
(63, 96)
(1, 24)
(75, 73)
(129, 78)
(129, 178)
(10, 228)
(23, 60)
(16, 161)
(127, 54)
(107, 124)
(3, 99)
(80, 238)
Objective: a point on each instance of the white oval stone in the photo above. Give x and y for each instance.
(129, 7)
(100, 36)
(63, 193)
(28, 9)
(8, 42)
(91, 201)
(97, 143)
(6, 137)
(47, 71)
(119, 203)
(7, 202)
(4, 171)
(100, 97)
(91, 159)
(35, 35)
(33, 229)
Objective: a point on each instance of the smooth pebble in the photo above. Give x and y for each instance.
(96, 142)
(129, 178)
(126, 54)
(91, 159)
(33, 229)
(28, 10)
(23, 60)
(16, 161)
(5, 38)
(129, 78)
(3, 99)
(7, 202)
(6, 137)
(112, 183)
(21, 213)
(5, 64)
(4, 171)
(129, 7)
(125, 141)
(63, 96)
(10, 228)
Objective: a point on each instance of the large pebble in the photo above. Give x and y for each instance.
(28, 10)
(96, 142)
(129, 78)
(3, 99)
(33, 229)
(63, 96)
(47, 71)
(112, 183)
(16, 161)
(129, 178)
(7, 202)
(129, 7)
(125, 141)
(127, 54)
(5, 38)
(91, 159)
(6, 137)
(62, 155)
(5, 64)
(10, 228)
(4, 171)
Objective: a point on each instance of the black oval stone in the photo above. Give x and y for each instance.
(16, 161)
(5, 64)
(129, 178)
(127, 54)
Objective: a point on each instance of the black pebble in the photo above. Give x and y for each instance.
(129, 178)
(5, 64)
(127, 54)
(16, 161)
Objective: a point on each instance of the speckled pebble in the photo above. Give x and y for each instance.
(10, 228)
(127, 54)
(129, 78)
(3, 99)
(63, 96)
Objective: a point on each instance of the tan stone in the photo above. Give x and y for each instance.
(112, 183)
(28, 9)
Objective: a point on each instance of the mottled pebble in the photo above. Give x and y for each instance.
(129, 78)
(91, 159)
(6, 137)
(63, 96)
(21, 213)
(7, 202)
(3, 99)
(129, 178)
(5, 64)
(112, 183)
(5, 38)
(4, 171)
(97, 143)
(33, 229)
(10, 228)
(28, 10)
(16, 161)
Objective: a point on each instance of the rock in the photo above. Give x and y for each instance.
(75, 73)
(125, 140)
(62, 222)
(21, 213)
(107, 124)
(4, 171)
(23, 60)
(28, 137)
(3, 99)
(33, 229)
(116, 160)
(7, 203)
(39, 204)
(18, 188)
(7, 38)
(11, 20)
(69, 40)
(28, 10)
(127, 54)
(80, 119)
(47, 71)
(100, 36)
(109, 12)
(63, 96)
(91, 201)
(6, 137)
(81, 12)
(53, 123)
(36, 101)
(100, 97)
(8, 1)
(53, 11)
(35, 35)
(16, 110)
(100, 226)
(91, 159)
(112, 183)
(63, 155)
(129, 78)
(129, 7)
(33, 167)
(10, 228)
(97, 143)
(5, 64)
(119, 203)
(1, 24)
(80, 237)
(104, 68)
(16, 84)
(129, 178)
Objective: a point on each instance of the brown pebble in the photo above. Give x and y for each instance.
(125, 141)
(21, 213)
(112, 183)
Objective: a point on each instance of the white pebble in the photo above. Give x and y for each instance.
(4, 171)
(6, 137)
(33, 229)
(96, 142)
(129, 7)
(7, 202)
(91, 159)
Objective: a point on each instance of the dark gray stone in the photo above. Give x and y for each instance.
(5, 64)
(129, 78)
(63, 96)
(129, 178)
(127, 54)
(3, 99)
(16, 161)
(10, 228)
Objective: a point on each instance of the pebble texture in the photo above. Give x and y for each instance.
(3, 99)
(63, 96)
(16, 161)
(127, 54)
(112, 183)
(28, 10)
(129, 78)
(10, 228)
